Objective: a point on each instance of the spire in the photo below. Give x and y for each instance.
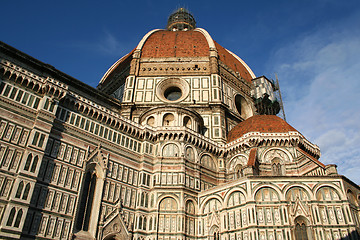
(181, 20)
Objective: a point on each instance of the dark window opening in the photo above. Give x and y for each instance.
(172, 93)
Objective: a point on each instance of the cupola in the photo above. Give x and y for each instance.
(181, 20)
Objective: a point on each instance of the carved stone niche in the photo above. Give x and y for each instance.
(276, 153)
(115, 229)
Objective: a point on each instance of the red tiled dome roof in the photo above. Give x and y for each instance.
(229, 60)
(260, 123)
(165, 43)
(192, 43)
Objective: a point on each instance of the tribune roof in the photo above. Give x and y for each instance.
(260, 123)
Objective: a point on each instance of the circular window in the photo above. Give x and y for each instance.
(172, 93)
(172, 90)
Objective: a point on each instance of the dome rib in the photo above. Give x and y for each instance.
(233, 63)
(195, 43)
(144, 39)
(125, 60)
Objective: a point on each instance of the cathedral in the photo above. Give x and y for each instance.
(180, 140)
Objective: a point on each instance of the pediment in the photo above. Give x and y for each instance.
(299, 209)
(214, 219)
(115, 228)
(97, 157)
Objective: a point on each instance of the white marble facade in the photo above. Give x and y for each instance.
(154, 161)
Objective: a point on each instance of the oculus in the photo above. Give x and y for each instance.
(172, 90)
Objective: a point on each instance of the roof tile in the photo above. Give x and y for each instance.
(259, 123)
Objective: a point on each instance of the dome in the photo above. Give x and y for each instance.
(182, 44)
(260, 123)
(167, 44)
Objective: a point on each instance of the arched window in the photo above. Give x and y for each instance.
(34, 164)
(28, 162)
(327, 194)
(11, 217)
(168, 204)
(301, 232)
(239, 171)
(190, 218)
(212, 205)
(351, 197)
(208, 162)
(276, 167)
(235, 199)
(171, 150)
(86, 202)
(190, 155)
(26, 192)
(187, 122)
(144, 224)
(168, 119)
(18, 218)
(140, 222)
(266, 194)
(150, 223)
(214, 233)
(297, 193)
(168, 209)
(19, 190)
(151, 121)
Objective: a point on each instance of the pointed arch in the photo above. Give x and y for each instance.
(89, 202)
(28, 162)
(19, 190)
(301, 228)
(26, 192)
(11, 217)
(34, 164)
(190, 222)
(86, 201)
(18, 218)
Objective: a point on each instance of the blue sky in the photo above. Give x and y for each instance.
(313, 46)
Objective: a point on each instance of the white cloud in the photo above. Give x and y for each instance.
(106, 44)
(319, 77)
(110, 45)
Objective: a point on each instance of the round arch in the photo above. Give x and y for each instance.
(237, 189)
(299, 185)
(188, 146)
(204, 154)
(232, 162)
(336, 188)
(288, 154)
(159, 200)
(176, 152)
(268, 185)
(201, 209)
